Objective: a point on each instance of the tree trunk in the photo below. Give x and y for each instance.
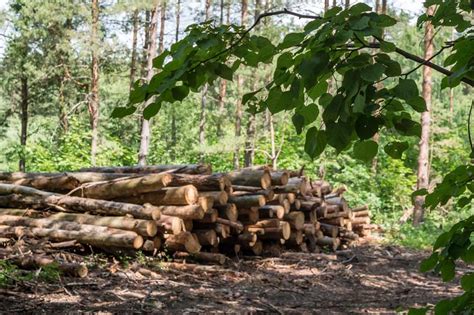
(177, 168)
(133, 61)
(238, 107)
(347, 4)
(24, 122)
(185, 195)
(326, 5)
(222, 82)
(183, 242)
(94, 88)
(145, 130)
(174, 132)
(191, 212)
(423, 179)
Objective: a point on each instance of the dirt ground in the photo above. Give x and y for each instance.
(367, 279)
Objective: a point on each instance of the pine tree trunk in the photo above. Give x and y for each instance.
(174, 137)
(347, 4)
(94, 88)
(133, 61)
(222, 82)
(24, 122)
(424, 145)
(326, 5)
(145, 130)
(238, 107)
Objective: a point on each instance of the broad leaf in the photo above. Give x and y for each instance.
(365, 150)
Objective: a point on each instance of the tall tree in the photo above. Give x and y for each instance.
(240, 84)
(151, 54)
(222, 82)
(423, 176)
(202, 118)
(173, 108)
(249, 154)
(94, 85)
(133, 60)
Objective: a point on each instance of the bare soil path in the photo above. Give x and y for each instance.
(367, 279)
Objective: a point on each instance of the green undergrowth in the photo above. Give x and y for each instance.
(10, 274)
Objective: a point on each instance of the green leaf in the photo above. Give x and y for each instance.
(151, 110)
(359, 8)
(443, 307)
(179, 92)
(122, 111)
(464, 201)
(366, 127)
(387, 46)
(325, 99)
(315, 142)
(395, 149)
(365, 150)
(447, 270)
(373, 72)
(419, 192)
(467, 282)
(468, 255)
(159, 60)
(313, 25)
(248, 96)
(224, 71)
(319, 89)
(298, 122)
(406, 89)
(309, 112)
(333, 110)
(360, 23)
(339, 135)
(429, 263)
(417, 103)
(312, 66)
(332, 12)
(442, 240)
(292, 39)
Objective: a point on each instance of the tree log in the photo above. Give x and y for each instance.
(275, 233)
(332, 242)
(336, 221)
(84, 236)
(78, 204)
(142, 227)
(360, 208)
(238, 226)
(123, 187)
(249, 177)
(295, 185)
(214, 258)
(249, 216)
(182, 242)
(255, 249)
(207, 237)
(220, 197)
(228, 211)
(213, 182)
(37, 261)
(360, 221)
(328, 229)
(296, 238)
(279, 178)
(179, 169)
(295, 219)
(309, 229)
(270, 211)
(207, 203)
(247, 201)
(185, 195)
(210, 217)
(169, 224)
(190, 212)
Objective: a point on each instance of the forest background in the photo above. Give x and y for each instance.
(59, 85)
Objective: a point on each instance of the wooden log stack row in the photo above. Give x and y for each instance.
(183, 209)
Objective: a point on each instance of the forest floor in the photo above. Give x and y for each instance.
(371, 278)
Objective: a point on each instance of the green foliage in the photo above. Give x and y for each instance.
(10, 274)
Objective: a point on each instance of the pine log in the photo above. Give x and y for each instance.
(276, 233)
(267, 193)
(336, 221)
(188, 225)
(247, 239)
(295, 185)
(142, 227)
(247, 201)
(190, 212)
(316, 200)
(228, 211)
(360, 221)
(179, 169)
(214, 258)
(362, 213)
(249, 177)
(328, 229)
(84, 236)
(270, 211)
(210, 217)
(249, 216)
(78, 204)
(340, 201)
(324, 186)
(265, 223)
(282, 202)
(295, 219)
(182, 242)
(169, 224)
(235, 225)
(351, 236)
(291, 197)
(279, 178)
(255, 249)
(222, 230)
(207, 203)
(152, 244)
(321, 211)
(185, 195)
(307, 205)
(220, 197)
(271, 249)
(360, 208)
(37, 261)
(333, 208)
(332, 242)
(207, 237)
(309, 229)
(348, 224)
(123, 187)
(23, 212)
(213, 182)
(296, 206)
(343, 214)
(311, 243)
(296, 238)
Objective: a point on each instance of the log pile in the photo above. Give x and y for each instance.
(185, 210)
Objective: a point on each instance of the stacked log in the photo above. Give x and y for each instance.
(183, 209)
